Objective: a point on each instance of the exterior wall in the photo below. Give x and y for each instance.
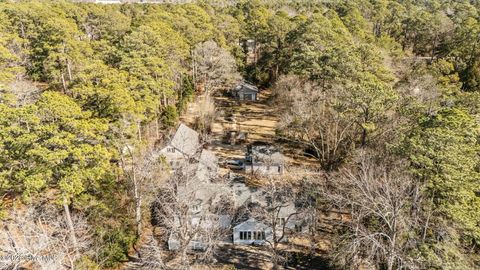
(241, 95)
(238, 241)
(264, 169)
(173, 157)
(173, 244)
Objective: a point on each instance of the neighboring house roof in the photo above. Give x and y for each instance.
(242, 194)
(287, 210)
(251, 224)
(202, 193)
(185, 140)
(267, 154)
(207, 166)
(244, 86)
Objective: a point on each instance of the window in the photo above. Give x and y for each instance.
(245, 235)
(298, 228)
(248, 97)
(279, 169)
(259, 235)
(171, 150)
(280, 221)
(249, 235)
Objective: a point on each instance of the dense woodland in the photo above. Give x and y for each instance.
(383, 94)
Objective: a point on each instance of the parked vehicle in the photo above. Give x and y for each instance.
(235, 164)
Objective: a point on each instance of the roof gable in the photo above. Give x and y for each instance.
(244, 86)
(251, 224)
(185, 140)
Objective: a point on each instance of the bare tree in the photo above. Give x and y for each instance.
(206, 114)
(382, 202)
(315, 119)
(215, 66)
(152, 257)
(39, 238)
(192, 215)
(25, 92)
(142, 166)
(278, 211)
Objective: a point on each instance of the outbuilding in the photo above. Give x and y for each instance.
(246, 92)
(264, 159)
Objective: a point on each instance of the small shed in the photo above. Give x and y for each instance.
(246, 92)
(251, 232)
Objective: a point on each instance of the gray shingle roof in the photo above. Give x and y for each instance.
(251, 224)
(246, 86)
(207, 166)
(186, 140)
(266, 154)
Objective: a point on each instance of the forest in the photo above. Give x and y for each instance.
(382, 95)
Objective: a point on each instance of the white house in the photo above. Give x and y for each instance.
(264, 159)
(251, 232)
(183, 146)
(201, 195)
(210, 224)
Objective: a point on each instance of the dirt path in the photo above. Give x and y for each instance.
(255, 118)
(259, 119)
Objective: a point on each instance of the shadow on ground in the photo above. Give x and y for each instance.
(256, 258)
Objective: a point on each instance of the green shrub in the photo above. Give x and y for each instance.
(117, 242)
(170, 116)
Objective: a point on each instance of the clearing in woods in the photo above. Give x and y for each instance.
(255, 118)
(258, 119)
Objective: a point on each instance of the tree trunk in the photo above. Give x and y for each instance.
(64, 84)
(71, 228)
(275, 256)
(364, 136)
(69, 70)
(138, 203)
(139, 131)
(157, 129)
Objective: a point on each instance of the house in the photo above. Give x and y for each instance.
(207, 166)
(251, 232)
(210, 224)
(264, 159)
(243, 194)
(182, 147)
(246, 92)
(201, 196)
(293, 220)
(200, 219)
